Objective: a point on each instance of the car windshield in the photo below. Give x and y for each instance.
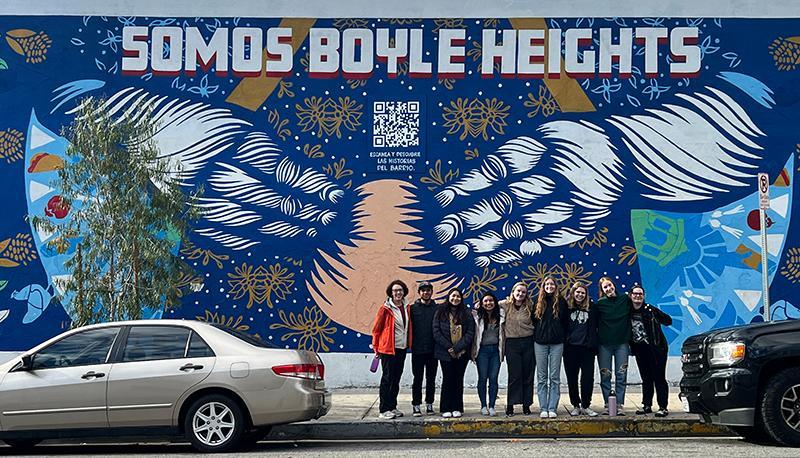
(252, 340)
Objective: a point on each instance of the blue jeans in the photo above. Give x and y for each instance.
(620, 354)
(548, 375)
(488, 362)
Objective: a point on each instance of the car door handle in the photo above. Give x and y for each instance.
(190, 367)
(92, 374)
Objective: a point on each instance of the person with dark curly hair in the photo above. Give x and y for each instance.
(391, 337)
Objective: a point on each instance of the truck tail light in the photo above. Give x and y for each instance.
(304, 371)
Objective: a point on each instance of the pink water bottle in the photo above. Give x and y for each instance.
(612, 404)
(375, 362)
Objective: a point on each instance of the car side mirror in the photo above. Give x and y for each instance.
(27, 363)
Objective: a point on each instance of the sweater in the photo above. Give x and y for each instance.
(582, 327)
(615, 320)
(549, 330)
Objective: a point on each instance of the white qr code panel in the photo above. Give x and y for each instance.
(395, 124)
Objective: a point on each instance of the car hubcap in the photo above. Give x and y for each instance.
(213, 423)
(790, 407)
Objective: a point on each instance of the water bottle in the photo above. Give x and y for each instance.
(375, 363)
(612, 404)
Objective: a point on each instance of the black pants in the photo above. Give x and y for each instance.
(391, 371)
(452, 396)
(652, 362)
(521, 364)
(579, 359)
(423, 364)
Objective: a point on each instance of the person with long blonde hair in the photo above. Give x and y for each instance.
(580, 349)
(550, 319)
(518, 331)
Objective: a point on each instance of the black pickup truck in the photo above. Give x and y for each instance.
(746, 378)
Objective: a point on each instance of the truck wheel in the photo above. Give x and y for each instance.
(780, 407)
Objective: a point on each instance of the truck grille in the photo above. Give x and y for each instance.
(693, 358)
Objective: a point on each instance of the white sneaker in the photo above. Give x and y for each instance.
(575, 411)
(588, 411)
(484, 411)
(492, 412)
(447, 414)
(388, 415)
(456, 414)
(552, 414)
(397, 413)
(544, 414)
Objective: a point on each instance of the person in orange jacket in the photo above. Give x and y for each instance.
(391, 338)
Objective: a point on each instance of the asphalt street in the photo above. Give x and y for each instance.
(502, 447)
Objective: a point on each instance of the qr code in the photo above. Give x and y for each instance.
(395, 124)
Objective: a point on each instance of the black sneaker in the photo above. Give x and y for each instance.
(661, 413)
(509, 411)
(526, 410)
(417, 411)
(644, 410)
(429, 409)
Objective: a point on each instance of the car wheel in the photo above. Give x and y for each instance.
(215, 423)
(780, 407)
(21, 443)
(754, 434)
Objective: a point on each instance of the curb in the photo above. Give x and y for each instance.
(505, 428)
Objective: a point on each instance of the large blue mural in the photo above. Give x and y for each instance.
(338, 154)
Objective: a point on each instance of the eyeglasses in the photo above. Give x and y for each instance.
(397, 290)
(637, 294)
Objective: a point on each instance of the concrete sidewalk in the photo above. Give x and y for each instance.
(354, 416)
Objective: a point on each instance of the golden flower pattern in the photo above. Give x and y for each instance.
(791, 267)
(436, 178)
(32, 45)
(564, 276)
(17, 251)
(785, 53)
(329, 116)
(544, 103)
(191, 252)
(339, 171)
(598, 239)
(475, 117)
(221, 319)
(629, 254)
(11, 141)
(311, 329)
(484, 283)
(259, 284)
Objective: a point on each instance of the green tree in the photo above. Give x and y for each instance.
(127, 216)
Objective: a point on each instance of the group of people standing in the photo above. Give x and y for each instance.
(533, 337)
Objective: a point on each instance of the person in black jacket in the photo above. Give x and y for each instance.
(649, 346)
(550, 319)
(453, 331)
(580, 349)
(423, 363)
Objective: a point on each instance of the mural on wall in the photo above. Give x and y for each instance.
(337, 155)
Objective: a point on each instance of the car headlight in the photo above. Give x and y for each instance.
(725, 353)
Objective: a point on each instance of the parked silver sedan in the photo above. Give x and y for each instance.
(216, 386)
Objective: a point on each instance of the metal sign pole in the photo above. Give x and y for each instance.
(763, 198)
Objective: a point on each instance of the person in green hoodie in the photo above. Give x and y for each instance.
(614, 334)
